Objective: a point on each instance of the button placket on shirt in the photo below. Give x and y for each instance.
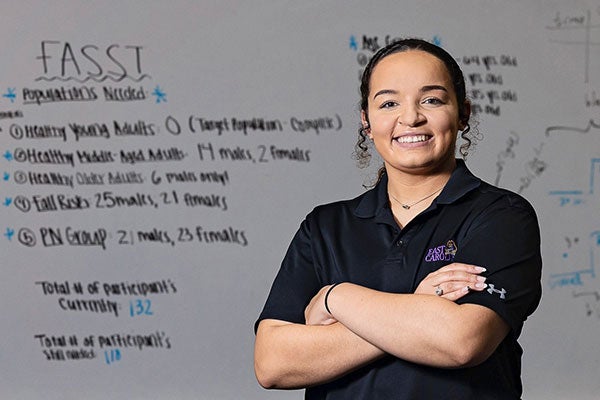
(399, 240)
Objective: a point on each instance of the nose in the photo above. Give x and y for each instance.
(410, 116)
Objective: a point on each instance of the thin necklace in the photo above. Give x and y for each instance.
(408, 206)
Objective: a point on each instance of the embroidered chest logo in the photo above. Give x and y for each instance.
(491, 290)
(445, 252)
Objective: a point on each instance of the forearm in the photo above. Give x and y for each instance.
(419, 328)
(289, 356)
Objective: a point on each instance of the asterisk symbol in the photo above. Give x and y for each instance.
(6, 176)
(8, 155)
(7, 201)
(160, 95)
(10, 95)
(353, 44)
(9, 233)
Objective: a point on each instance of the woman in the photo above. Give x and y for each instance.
(418, 288)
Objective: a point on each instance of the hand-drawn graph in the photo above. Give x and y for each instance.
(581, 28)
(576, 197)
(576, 274)
(592, 302)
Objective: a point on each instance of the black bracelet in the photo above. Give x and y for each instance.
(327, 295)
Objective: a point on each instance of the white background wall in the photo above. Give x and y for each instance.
(532, 69)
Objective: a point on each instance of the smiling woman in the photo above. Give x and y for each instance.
(450, 69)
(413, 105)
(413, 120)
(423, 279)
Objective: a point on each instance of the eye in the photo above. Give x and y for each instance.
(433, 101)
(388, 104)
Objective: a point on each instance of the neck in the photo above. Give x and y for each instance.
(407, 188)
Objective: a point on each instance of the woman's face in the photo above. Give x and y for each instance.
(413, 113)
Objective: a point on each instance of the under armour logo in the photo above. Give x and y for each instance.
(491, 290)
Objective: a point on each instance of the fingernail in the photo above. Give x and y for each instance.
(481, 278)
(480, 285)
(480, 269)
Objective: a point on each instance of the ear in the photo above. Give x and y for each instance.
(364, 119)
(464, 121)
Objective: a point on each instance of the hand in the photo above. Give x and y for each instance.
(316, 313)
(453, 281)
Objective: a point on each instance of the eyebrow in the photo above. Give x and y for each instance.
(424, 89)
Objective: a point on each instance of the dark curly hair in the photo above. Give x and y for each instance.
(458, 81)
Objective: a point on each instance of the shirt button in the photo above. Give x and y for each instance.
(399, 243)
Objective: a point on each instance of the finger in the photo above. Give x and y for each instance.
(450, 287)
(447, 288)
(478, 286)
(474, 269)
(457, 294)
(456, 276)
(444, 289)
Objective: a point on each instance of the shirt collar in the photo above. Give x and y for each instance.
(375, 201)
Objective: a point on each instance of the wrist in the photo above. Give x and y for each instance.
(327, 297)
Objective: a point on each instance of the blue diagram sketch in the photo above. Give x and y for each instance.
(577, 274)
(576, 197)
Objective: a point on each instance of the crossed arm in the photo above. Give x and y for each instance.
(365, 325)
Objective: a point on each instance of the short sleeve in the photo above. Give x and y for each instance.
(505, 239)
(296, 282)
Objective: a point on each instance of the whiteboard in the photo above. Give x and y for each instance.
(157, 158)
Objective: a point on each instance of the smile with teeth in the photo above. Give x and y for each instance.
(412, 139)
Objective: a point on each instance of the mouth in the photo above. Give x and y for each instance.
(409, 139)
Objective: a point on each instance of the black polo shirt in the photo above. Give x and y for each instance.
(358, 241)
